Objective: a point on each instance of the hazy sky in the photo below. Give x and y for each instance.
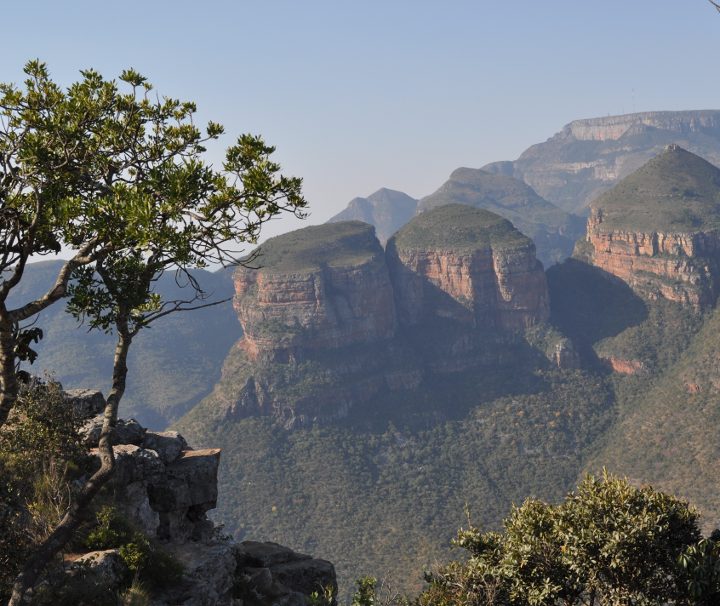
(368, 94)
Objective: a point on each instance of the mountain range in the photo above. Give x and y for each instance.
(370, 386)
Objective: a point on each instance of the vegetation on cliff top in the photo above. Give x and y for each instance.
(460, 228)
(342, 244)
(676, 191)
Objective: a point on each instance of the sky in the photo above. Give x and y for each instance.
(368, 94)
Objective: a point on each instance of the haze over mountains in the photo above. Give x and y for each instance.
(551, 184)
(377, 387)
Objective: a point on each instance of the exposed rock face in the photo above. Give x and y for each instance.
(330, 319)
(387, 210)
(588, 157)
(658, 230)
(338, 294)
(491, 282)
(165, 488)
(552, 230)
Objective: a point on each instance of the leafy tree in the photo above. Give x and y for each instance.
(150, 203)
(607, 543)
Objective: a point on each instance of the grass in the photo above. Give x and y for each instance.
(343, 244)
(674, 192)
(457, 227)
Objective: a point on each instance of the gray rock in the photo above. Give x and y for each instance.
(191, 481)
(135, 464)
(134, 503)
(209, 574)
(265, 555)
(106, 565)
(125, 432)
(168, 444)
(86, 403)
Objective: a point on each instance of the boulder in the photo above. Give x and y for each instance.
(86, 403)
(106, 566)
(125, 432)
(168, 444)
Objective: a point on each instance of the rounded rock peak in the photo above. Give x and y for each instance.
(459, 227)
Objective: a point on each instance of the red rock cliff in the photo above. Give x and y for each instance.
(659, 229)
(439, 271)
(333, 292)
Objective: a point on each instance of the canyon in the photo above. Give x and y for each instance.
(331, 320)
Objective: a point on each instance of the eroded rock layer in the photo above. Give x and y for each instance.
(469, 265)
(658, 230)
(330, 319)
(588, 157)
(318, 288)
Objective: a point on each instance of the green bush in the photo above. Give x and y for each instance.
(607, 543)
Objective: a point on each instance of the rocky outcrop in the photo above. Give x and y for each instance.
(165, 488)
(588, 157)
(330, 320)
(658, 230)
(327, 288)
(493, 282)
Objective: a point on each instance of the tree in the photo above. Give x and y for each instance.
(607, 543)
(52, 145)
(150, 203)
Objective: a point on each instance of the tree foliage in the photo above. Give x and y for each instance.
(119, 177)
(606, 543)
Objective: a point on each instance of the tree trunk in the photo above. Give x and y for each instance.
(8, 378)
(63, 532)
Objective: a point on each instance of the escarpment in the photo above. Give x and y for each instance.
(658, 229)
(470, 265)
(588, 157)
(332, 322)
(320, 288)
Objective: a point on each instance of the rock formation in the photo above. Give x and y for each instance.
(318, 288)
(658, 229)
(469, 265)
(588, 157)
(165, 489)
(552, 230)
(330, 320)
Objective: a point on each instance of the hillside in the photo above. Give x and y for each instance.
(394, 388)
(386, 209)
(657, 229)
(588, 157)
(172, 366)
(553, 230)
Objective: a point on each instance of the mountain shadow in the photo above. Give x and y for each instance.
(589, 304)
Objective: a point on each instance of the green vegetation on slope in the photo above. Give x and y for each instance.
(458, 227)
(552, 230)
(385, 496)
(674, 192)
(171, 368)
(668, 428)
(334, 244)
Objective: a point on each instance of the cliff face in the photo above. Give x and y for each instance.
(442, 269)
(680, 267)
(331, 321)
(658, 230)
(290, 314)
(588, 157)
